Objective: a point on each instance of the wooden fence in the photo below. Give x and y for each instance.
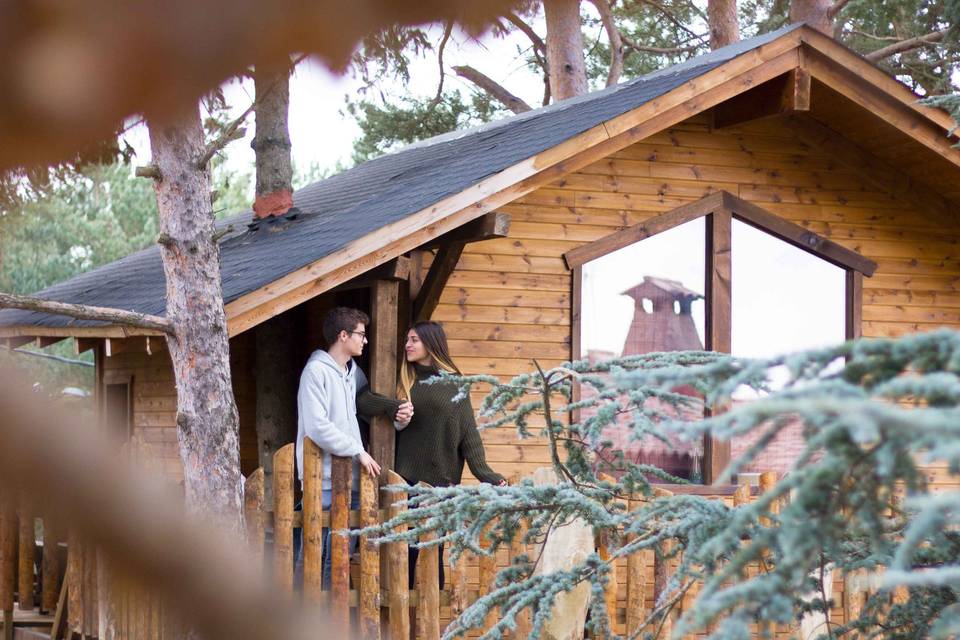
(370, 593)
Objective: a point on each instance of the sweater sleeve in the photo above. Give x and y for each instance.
(471, 446)
(370, 404)
(312, 400)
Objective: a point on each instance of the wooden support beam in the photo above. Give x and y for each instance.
(85, 344)
(383, 366)
(854, 305)
(873, 170)
(798, 236)
(784, 94)
(115, 346)
(396, 269)
(443, 265)
(719, 329)
(486, 227)
(635, 233)
(20, 341)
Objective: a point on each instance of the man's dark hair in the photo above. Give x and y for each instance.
(342, 319)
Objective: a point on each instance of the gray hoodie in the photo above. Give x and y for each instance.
(327, 411)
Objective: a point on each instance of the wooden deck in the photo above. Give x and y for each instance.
(27, 625)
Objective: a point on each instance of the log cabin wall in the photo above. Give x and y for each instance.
(508, 300)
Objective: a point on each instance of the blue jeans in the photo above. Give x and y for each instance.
(326, 500)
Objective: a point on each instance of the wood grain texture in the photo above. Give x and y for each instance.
(369, 609)
(283, 479)
(340, 481)
(398, 562)
(312, 520)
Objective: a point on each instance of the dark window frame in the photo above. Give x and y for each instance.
(720, 209)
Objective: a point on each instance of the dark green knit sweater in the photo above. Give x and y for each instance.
(440, 437)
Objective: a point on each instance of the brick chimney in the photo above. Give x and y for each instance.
(668, 326)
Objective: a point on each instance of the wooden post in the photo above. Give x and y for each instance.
(428, 588)
(458, 586)
(283, 516)
(8, 560)
(854, 304)
(488, 574)
(90, 591)
(369, 561)
(768, 480)
(604, 547)
(662, 569)
(312, 520)
(51, 564)
(74, 584)
(398, 561)
(28, 545)
(719, 319)
(636, 583)
(276, 391)
(519, 547)
(340, 543)
(383, 366)
(253, 507)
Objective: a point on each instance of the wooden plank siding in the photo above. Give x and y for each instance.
(508, 301)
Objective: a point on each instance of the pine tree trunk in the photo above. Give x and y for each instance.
(568, 70)
(815, 13)
(271, 143)
(276, 379)
(207, 426)
(724, 28)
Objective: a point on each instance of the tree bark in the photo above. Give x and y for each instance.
(271, 143)
(568, 71)
(906, 45)
(277, 378)
(816, 13)
(207, 425)
(724, 28)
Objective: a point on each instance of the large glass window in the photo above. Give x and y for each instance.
(720, 274)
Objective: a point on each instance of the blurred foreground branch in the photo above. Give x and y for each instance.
(140, 525)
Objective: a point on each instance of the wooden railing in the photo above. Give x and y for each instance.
(371, 595)
(32, 567)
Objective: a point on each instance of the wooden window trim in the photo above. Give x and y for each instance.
(112, 378)
(720, 209)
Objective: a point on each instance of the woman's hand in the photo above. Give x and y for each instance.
(405, 413)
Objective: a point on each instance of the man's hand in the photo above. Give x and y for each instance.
(369, 464)
(405, 413)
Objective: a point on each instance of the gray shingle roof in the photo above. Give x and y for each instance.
(347, 206)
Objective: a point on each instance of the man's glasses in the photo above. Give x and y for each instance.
(362, 334)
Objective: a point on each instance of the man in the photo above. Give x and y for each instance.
(327, 404)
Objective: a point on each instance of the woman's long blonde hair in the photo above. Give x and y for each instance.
(434, 340)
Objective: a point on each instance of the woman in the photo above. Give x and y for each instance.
(442, 434)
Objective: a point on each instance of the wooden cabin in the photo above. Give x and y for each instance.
(490, 231)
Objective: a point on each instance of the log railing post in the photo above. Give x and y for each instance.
(428, 588)
(50, 590)
(519, 547)
(312, 520)
(488, 574)
(369, 615)
(8, 560)
(636, 582)
(398, 563)
(340, 481)
(283, 516)
(253, 507)
(28, 545)
(662, 570)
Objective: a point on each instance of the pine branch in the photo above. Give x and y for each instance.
(616, 45)
(632, 44)
(440, 49)
(836, 8)
(907, 45)
(492, 88)
(84, 312)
